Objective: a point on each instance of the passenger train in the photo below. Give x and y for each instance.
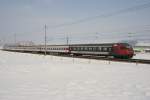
(116, 50)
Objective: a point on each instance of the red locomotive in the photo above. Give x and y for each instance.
(122, 50)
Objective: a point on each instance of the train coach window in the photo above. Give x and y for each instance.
(78, 49)
(82, 48)
(109, 49)
(104, 49)
(94, 49)
(100, 49)
(74, 48)
(90, 48)
(85, 48)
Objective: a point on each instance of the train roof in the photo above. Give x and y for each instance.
(91, 44)
(96, 44)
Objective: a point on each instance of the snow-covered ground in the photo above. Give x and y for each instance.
(142, 56)
(36, 77)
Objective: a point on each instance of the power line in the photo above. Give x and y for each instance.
(131, 9)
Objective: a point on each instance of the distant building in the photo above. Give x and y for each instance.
(22, 43)
(25, 43)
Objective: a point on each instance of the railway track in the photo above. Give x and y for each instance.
(144, 61)
(137, 61)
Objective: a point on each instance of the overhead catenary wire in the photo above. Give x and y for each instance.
(131, 9)
(119, 12)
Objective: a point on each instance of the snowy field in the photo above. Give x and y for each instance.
(142, 56)
(36, 77)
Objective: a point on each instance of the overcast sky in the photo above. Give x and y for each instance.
(26, 19)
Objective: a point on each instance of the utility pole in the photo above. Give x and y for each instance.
(15, 38)
(96, 37)
(67, 39)
(45, 39)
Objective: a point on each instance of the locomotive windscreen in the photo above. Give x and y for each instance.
(127, 45)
